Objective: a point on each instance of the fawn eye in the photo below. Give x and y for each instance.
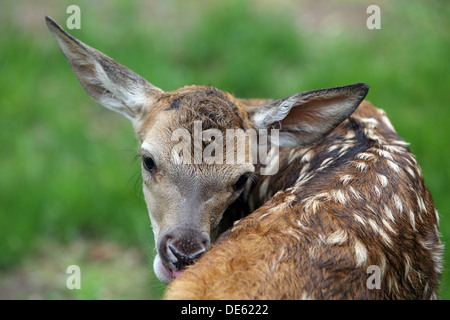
(148, 163)
(239, 184)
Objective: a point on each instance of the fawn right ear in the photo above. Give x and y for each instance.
(306, 117)
(106, 81)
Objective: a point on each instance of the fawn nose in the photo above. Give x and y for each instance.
(183, 248)
(183, 260)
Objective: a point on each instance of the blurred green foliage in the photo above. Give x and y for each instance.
(67, 166)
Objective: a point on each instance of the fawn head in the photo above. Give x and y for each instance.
(186, 199)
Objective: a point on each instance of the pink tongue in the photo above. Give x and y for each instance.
(176, 273)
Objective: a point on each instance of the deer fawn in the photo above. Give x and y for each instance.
(347, 195)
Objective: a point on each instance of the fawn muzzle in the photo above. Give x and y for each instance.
(181, 247)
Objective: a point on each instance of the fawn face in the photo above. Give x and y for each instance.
(187, 196)
(186, 201)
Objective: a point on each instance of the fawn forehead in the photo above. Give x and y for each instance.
(179, 109)
(214, 108)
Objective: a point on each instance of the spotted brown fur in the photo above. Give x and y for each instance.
(317, 232)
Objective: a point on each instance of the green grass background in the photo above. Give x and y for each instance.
(69, 181)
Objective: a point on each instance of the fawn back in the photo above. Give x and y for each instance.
(348, 207)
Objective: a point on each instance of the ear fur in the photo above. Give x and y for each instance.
(106, 81)
(306, 117)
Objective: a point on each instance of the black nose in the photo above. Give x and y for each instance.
(181, 248)
(184, 260)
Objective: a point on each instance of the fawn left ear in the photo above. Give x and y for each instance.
(106, 81)
(306, 117)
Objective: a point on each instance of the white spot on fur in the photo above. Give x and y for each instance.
(393, 166)
(427, 244)
(292, 155)
(355, 193)
(305, 168)
(412, 219)
(388, 212)
(314, 202)
(371, 121)
(384, 153)
(407, 265)
(421, 204)
(388, 226)
(383, 180)
(419, 171)
(287, 203)
(360, 254)
(377, 191)
(374, 225)
(267, 213)
(361, 166)
(337, 238)
(402, 143)
(410, 171)
(398, 202)
(324, 162)
(302, 179)
(385, 237)
(366, 156)
(350, 134)
(338, 196)
(345, 179)
(410, 159)
(308, 156)
(359, 219)
(333, 147)
(344, 148)
(395, 148)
